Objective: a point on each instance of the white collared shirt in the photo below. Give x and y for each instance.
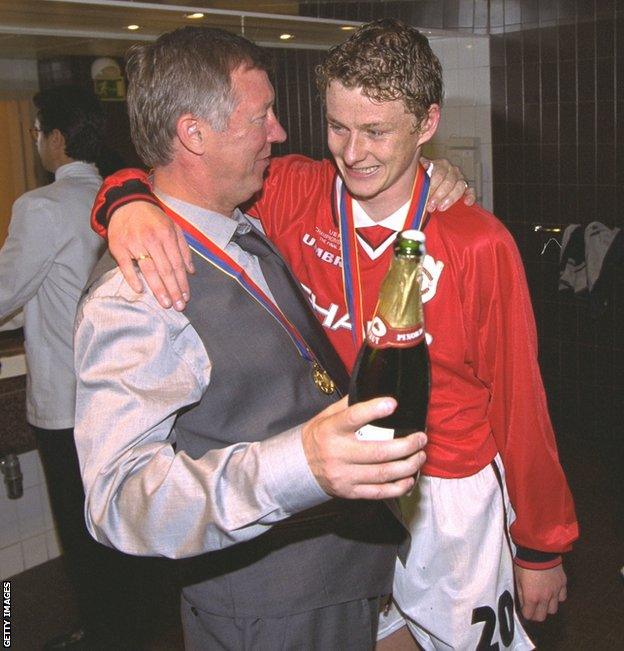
(44, 265)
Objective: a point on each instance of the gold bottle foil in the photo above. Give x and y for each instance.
(400, 303)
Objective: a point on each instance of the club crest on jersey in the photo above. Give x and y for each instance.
(431, 271)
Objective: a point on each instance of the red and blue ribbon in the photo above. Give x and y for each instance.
(211, 253)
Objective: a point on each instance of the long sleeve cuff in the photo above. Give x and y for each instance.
(533, 559)
(117, 190)
(291, 482)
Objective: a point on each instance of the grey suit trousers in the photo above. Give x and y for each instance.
(350, 626)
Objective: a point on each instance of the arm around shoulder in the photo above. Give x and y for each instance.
(127, 211)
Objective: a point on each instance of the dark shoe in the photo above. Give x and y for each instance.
(76, 640)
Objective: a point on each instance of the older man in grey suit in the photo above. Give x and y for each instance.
(216, 433)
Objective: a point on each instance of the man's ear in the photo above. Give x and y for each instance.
(429, 125)
(190, 132)
(57, 140)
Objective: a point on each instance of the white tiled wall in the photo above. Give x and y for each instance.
(27, 534)
(467, 105)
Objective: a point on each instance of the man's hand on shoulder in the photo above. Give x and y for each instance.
(346, 467)
(448, 185)
(540, 591)
(140, 233)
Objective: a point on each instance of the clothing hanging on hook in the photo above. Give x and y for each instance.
(584, 252)
(572, 265)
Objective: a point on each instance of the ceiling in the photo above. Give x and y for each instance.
(51, 28)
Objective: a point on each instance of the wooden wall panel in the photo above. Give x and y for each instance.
(18, 163)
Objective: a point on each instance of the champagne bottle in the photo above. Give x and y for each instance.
(394, 360)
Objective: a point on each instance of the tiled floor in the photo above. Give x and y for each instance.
(27, 536)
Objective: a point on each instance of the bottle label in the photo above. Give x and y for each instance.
(374, 433)
(381, 335)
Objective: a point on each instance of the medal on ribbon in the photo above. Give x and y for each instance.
(322, 380)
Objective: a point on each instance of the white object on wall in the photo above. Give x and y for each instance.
(466, 152)
(108, 82)
(466, 111)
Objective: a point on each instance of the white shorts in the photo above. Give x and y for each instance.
(456, 590)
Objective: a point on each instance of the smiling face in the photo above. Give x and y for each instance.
(376, 146)
(239, 155)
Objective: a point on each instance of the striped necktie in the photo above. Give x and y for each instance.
(292, 301)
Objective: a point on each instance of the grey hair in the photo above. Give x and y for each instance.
(184, 71)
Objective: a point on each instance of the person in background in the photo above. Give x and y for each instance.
(488, 426)
(44, 265)
(216, 435)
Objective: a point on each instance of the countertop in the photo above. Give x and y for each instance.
(15, 434)
(11, 343)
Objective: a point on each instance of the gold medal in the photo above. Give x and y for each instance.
(322, 380)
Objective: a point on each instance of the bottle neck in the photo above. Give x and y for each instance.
(400, 302)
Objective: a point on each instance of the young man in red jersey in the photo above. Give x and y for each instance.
(490, 437)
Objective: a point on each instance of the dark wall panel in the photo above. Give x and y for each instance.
(297, 102)
(557, 91)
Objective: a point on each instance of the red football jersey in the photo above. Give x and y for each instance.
(487, 394)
